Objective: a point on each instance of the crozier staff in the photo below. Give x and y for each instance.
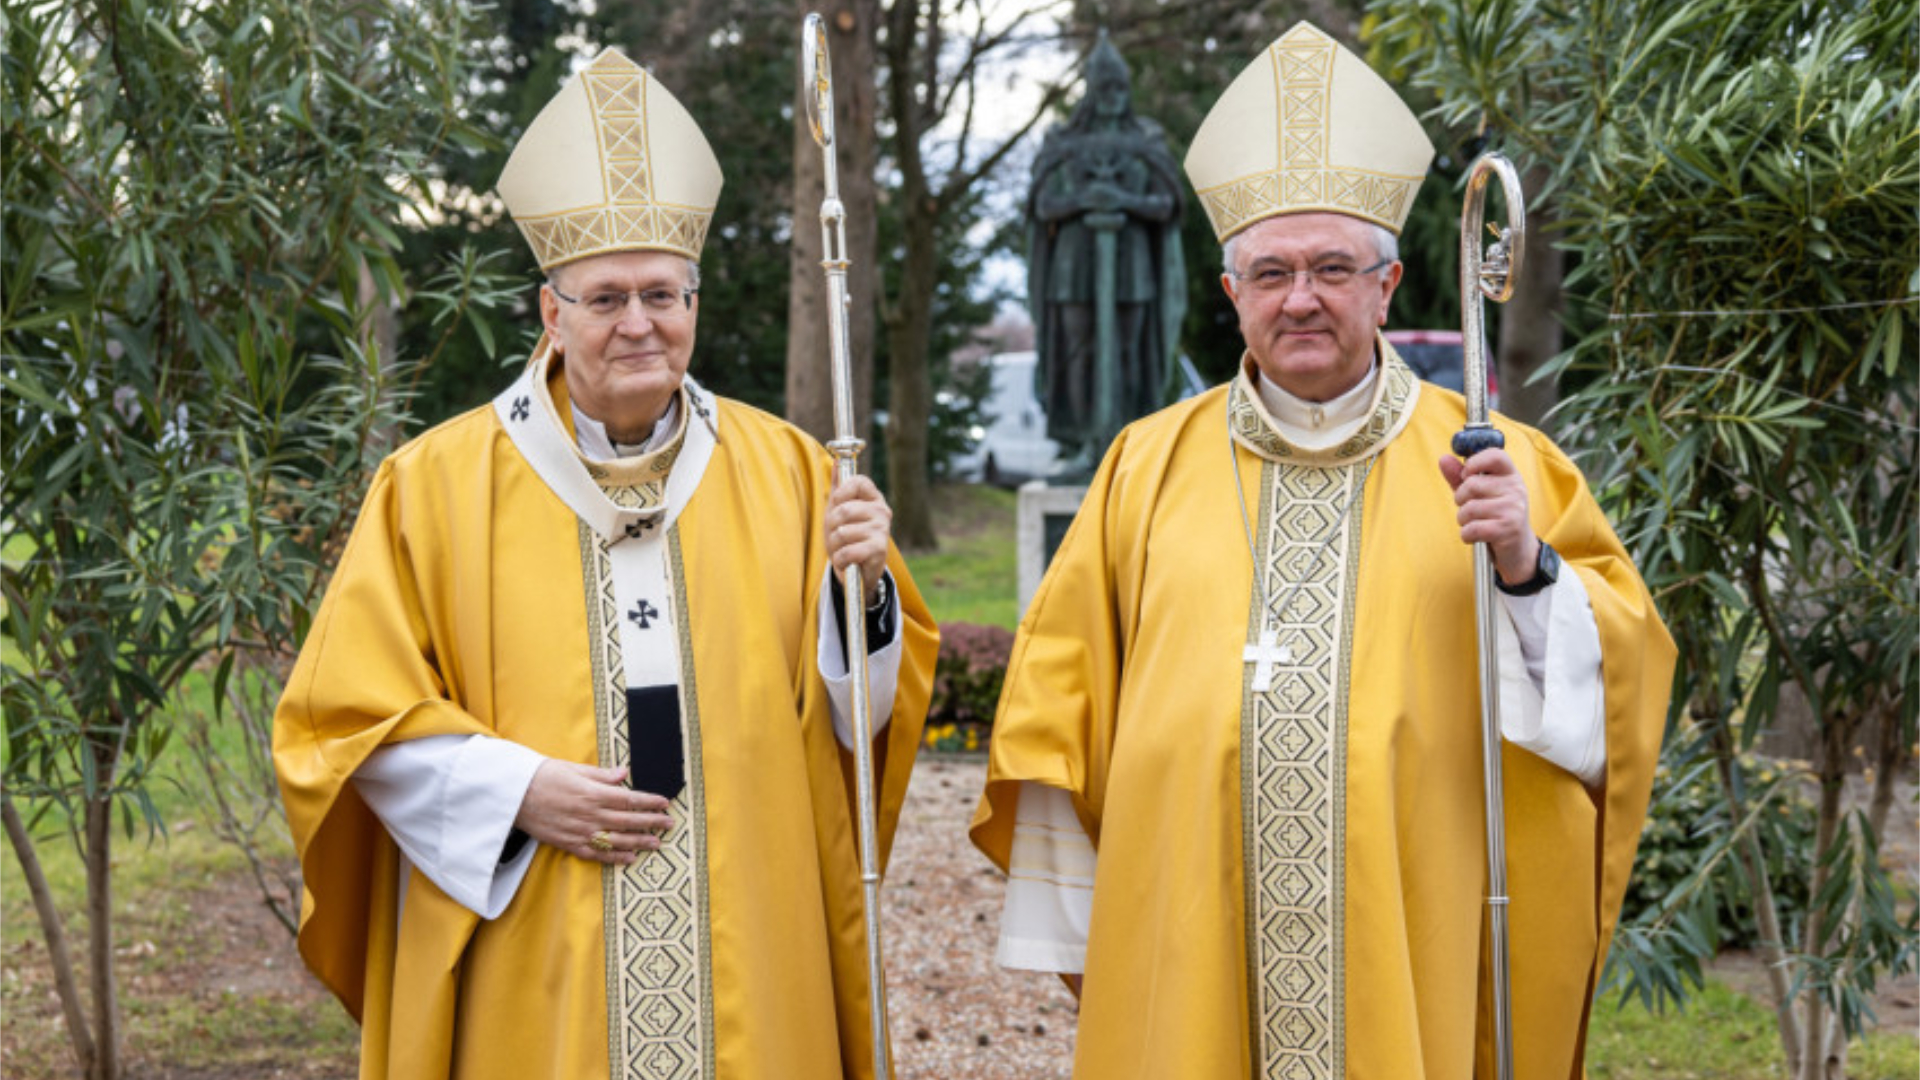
(817, 103)
(1235, 778)
(567, 753)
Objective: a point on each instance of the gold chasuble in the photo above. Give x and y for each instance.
(476, 596)
(1283, 783)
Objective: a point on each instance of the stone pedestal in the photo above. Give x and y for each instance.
(1045, 511)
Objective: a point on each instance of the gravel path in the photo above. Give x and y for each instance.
(955, 1014)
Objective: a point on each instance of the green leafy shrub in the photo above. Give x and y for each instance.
(1688, 830)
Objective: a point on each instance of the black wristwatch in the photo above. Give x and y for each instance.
(880, 597)
(1545, 573)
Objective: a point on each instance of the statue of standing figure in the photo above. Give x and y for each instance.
(1105, 277)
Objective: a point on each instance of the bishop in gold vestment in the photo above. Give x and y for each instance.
(1235, 775)
(563, 755)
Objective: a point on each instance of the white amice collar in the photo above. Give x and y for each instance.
(531, 418)
(591, 434)
(1319, 425)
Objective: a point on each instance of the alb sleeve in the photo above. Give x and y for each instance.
(449, 802)
(1552, 700)
(883, 660)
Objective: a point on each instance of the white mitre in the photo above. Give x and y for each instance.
(1308, 126)
(613, 163)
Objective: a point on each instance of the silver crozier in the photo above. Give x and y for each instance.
(1491, 277)
(817, 89)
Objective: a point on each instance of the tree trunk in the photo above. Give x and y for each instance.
(380, 337)
(98, 829)
(1766, 915)
(379, 326)
(911, 402)
(1836, 735)
(910, 315)
(852, 25)
(1889, 759)
(1530, 322)
(54, 931)
(809, 393)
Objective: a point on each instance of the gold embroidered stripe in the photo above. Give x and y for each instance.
(696, 788)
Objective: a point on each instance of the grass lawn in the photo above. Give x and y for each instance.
(1721, 1035)
(210, 984)
(975, 575)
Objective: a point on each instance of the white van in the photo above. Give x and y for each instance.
(1012, 447)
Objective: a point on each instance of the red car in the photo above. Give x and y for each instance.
(1437, 357)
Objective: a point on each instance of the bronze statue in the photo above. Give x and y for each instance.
(1105, 277)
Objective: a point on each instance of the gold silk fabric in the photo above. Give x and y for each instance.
(471, 600)
(1289, 882)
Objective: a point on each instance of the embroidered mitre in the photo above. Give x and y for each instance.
(1307, 126)
(612, 163)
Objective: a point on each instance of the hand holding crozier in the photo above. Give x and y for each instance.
(1493, 510)
(858, 520)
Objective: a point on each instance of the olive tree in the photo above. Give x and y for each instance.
(202, 200)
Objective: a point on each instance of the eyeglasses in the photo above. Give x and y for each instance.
(658, 303)
(1329, 277)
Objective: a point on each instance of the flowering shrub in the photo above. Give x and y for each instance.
(955, 738)
(966, 685)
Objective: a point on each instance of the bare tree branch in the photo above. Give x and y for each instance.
(965, 136)
(984, 45)
(929, 83)
(1047, 101)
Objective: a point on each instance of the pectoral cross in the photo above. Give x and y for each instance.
(1265, 655)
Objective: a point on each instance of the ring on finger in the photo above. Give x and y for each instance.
(601, 841)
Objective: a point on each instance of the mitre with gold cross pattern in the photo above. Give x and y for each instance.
(1307, 126)
(612, 163)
